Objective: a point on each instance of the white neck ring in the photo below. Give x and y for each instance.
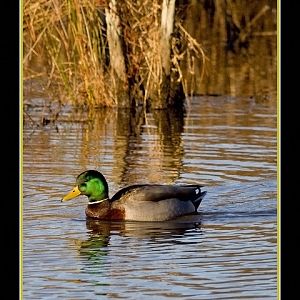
(96, 202)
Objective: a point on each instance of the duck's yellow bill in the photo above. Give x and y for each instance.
(74, 193)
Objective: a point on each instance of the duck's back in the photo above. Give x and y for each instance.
(158, 192)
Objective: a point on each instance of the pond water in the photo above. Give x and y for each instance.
(228, 251)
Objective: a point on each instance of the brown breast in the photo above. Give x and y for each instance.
(103, 211)
(116, 214)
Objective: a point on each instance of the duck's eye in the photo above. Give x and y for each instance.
(82, 187)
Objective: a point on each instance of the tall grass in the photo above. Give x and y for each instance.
(69, 36)
(65, 41)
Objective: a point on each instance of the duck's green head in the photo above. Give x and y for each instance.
(90, 183)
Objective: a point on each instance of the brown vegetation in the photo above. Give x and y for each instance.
(108, 53)
(126, 54)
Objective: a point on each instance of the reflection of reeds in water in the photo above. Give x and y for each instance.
(239, 39)
(162, 147)
(167, 146)
(127, 139)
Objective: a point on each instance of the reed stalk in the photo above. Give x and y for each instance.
(68, 43)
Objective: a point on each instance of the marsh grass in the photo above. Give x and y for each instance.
(68, 35)
(66, 43)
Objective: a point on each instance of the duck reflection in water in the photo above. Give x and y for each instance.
(96, 247)
(147, 230)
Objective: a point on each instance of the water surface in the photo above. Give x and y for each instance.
(227, 251)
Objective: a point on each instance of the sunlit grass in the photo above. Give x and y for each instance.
(66, 43)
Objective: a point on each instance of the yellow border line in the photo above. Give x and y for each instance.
(21, 149)
(278, 153)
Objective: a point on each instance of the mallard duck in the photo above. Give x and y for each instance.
(140, 202)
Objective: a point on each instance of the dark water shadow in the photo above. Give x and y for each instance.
(150, 230)
(100, 233)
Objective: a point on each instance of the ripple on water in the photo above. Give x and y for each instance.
(228, 251)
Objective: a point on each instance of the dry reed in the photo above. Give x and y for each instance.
(66, 42)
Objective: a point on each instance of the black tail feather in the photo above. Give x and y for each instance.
(198, 201)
